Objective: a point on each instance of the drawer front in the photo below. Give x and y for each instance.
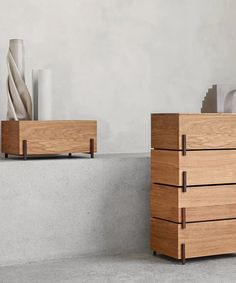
(203, 131)
(201, 203)
(57, 146)
(58, 130)
(52, 137)
(202, 167)
(200, 238)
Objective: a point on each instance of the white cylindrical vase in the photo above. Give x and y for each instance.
(42, 93)
(35, 93)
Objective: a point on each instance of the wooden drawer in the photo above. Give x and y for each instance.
(200, 238)
(203, 167)
(200, 203)
(48, 137)
(203, 131)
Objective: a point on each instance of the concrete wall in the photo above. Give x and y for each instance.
(71, 207)
(118, 60)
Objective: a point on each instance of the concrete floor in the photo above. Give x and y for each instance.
(124, 268)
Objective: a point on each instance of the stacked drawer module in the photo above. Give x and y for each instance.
(193, 194)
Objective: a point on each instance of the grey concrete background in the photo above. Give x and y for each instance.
(59, 208)
(118, 60)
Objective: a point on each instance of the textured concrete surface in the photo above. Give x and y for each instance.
(119, 60)
(68, 207)
(138, 268)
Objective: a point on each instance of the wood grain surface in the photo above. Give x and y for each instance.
(165, 131)
(200, 238)
(202, 167)
(48, 137)
(203, 131)
(210, 200)
(10, 137)
(201, 203)
(164, 237)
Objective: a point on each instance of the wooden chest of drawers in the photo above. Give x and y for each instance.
(193, 194)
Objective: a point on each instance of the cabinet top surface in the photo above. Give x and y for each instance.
(48, 121)
(204, 114)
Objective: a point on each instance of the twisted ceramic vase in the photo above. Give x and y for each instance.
(19, 99)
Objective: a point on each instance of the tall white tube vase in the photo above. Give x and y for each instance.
(42, 93)
(19, 99)
(35, 93)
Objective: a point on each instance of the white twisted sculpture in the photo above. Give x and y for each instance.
(19, 99)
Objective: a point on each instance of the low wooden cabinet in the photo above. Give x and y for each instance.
(193, 194)
(25, 138)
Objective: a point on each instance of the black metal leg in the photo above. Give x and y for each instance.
(154, 253)
(6, 155)
(92, 148)
(70, 154)
(183, 253)
(25, 149)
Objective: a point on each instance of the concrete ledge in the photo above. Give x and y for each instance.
(62, 207)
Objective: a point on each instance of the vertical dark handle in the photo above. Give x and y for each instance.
(92, 148)
(25, 149)
(184, 145)
(184, 182)
(183, 218)
(183, 253)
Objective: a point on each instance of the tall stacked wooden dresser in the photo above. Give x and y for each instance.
(193, 194)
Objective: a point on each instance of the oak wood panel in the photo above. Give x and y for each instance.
(165, 131)
(10, 137)
(164, 203)
(57, 146)
(201, 203)
(214, 131)
(59, 130)
(209, 167)
(164, 237)
(207, 196)
(202, 167)
(165, 167)
(203, 131)
(200, 238)
(205, 213)
(208, 238)
(55, 137)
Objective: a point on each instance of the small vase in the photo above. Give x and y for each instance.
(42, 94)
